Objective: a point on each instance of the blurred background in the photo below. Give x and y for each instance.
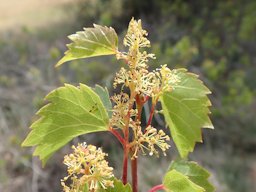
(215, 39)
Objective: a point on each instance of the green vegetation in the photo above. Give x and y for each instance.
(67, 117)
(76, 111)
(185, 110)
(214, 39)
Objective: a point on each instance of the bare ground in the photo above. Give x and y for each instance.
(32, 13)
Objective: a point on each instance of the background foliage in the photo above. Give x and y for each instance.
(215, 39)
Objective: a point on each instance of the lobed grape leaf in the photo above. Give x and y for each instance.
(71, 112)
(186, 110)
(90, 43)
(175, 181)
(195, 173)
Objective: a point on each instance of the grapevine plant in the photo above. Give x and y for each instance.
(73, 111)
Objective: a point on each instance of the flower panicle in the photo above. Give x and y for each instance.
(169, 78)
(137, 77)
(135, 39)
(120, 110)
(136, 35)
(149, 140)
(165, 81)
(87, 166)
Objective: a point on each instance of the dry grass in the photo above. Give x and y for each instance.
(32, 13)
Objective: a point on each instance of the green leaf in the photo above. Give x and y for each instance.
(71, 112)
(186, 111)
(90, 43)
(104, 95)
(195, 173)
(175, 181)
(118, 187)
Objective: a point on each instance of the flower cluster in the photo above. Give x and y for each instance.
(152, 84)
(165, 79)
(136, 35)
(87, 167)
(149, 140)
(141, 80)
(138, 77)
(137, 61)
(120, 110)
(143, 83)
(169, 78)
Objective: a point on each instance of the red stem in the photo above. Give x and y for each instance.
(126, 150)
(134, 164)
(125, 160)
(125, 166)
(154, 101)
(139, 105)
(157, 188)
(118, 136)
(126, 141)
(151, 114)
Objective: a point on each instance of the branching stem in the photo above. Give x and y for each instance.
(151, 115)
(139, 106)
(134, 162)
(118, 136)
(152, 110)
(126, 138)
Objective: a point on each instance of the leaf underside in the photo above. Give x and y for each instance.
(91, 42)
(186, 111)
(71, 112)
(194, 172)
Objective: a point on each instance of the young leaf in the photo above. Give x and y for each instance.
(186, 111)
(118, 186)
(90, 43)
(196, 173)
(104, 95)
(71, 112)
(175, 181)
